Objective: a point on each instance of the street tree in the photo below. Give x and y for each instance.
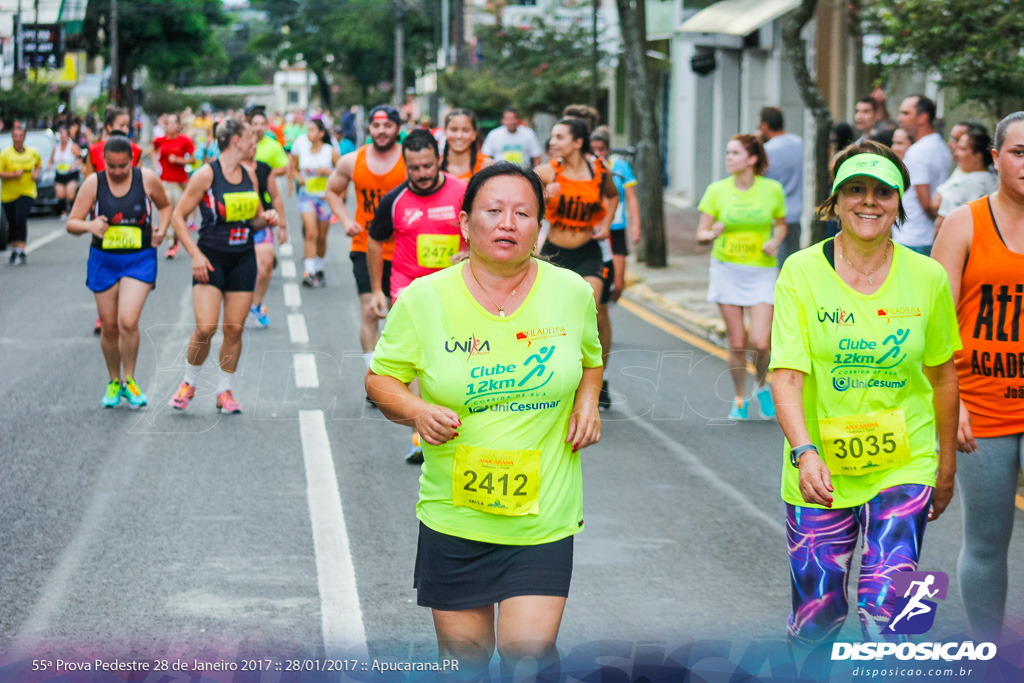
(164, 36)
(633, 23)
(974, 45)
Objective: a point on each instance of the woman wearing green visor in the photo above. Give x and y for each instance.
(862, 349)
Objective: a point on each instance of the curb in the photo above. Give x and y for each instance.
(711, 329)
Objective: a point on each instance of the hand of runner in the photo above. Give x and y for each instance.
(282, 234)
(379, 304)
(158, 237)
(636, 234)
(271, 217)
(815, 480)
(965, 442)
(584, 426)
(716, 229)
(324, 170)
(771, 247)
(201, 268)
(602, 233)
(552, 190)
(437, 424)
(98, 226)
(940, 498)
(352, 228)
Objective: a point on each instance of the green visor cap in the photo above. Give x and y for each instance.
(873, 165)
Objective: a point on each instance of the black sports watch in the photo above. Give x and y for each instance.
(795, 453)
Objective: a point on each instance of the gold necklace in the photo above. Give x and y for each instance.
(885, 258)
(501, 309)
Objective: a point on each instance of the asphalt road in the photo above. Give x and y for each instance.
(289, 531)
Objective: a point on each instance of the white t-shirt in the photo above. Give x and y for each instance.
(520, 147)
(302, 149)
(965, 187)
(929, 162)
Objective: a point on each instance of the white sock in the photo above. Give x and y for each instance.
(310, 265)
(320, 263)
(192, 373)
(368, 357)
(224, 381)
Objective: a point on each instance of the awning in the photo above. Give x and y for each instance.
(737, 17)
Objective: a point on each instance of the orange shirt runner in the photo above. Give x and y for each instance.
(370, 188)
(991, 364)
(578, 207)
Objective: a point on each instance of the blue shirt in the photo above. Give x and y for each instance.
(623, 177)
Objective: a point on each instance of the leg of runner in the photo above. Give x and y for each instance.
(236, 309)
(467, 636)
(310, 234)
(174, 192)
(61, 190)
(369, 332)
(131, 299)
(106, 305)
(620, 275)
(761, 344)
(264, 271)
(604, 333)
(323, 225)
(206, 300)
(71, 190)
(736, 333)
(597, 283)
(527, 629)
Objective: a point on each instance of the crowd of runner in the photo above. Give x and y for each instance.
(456, 234)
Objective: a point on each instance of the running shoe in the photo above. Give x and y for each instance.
(112, 398)
(415, 454)
(227, 404)
(765, 403)
(98, 327)
(13, 258)
(258, 312)
(370, 402)
(310, 281)
(192, 227)
(320, 278)
(130, 390)
(604, 401)
(173, 251)
(739, 413)
(19, 258)
(186, 392)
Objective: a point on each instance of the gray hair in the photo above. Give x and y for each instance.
(1001, 129)
(227, 129)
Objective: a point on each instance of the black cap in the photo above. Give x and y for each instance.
(384, 111)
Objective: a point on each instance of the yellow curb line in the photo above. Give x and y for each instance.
(1020, 501)
(679, 333)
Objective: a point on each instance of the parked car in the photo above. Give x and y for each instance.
(46, 199)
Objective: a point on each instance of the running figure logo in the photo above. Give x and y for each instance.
(914, 613)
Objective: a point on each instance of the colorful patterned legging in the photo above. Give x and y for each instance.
(821, 546)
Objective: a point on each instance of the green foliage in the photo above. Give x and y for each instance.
(535, 69)
(160, 98)
(28, 101)
(975, 45)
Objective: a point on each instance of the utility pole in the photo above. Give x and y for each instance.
(593, 54)
(115, 74)
(399, 94)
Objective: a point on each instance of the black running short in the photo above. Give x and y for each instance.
(233, 271)
(619, 245)
(65, 178)
(361, 272)
(585, 261)
(455, 573)
(608, 277)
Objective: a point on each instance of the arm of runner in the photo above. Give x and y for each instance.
(436, 424)
(198, 185)
(610, 197)
(771, 247)
(633, 209)
(375, 264)
(155, 191)
(294, 174)
(77, 151)
(337, 189)
(788, 393)
(924, 197)
(37, 169)
(264, 218)
(585, 419)
(708, 228)
(53, 151)
(84, 201)
(277, 201)
(946, 401)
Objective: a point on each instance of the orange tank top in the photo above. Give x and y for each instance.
(579, 206)
(370, 188)
(991, 364)
(480, 159)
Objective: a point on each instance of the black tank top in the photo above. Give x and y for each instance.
(129, 217)
(263, 171)
(227, 211)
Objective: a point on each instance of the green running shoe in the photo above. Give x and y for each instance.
(112, 398)
(130, 390)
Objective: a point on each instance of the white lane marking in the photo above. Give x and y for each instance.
(288, 269)
(297, 328)
(285, 249)
(292, 297)
(340, 613)
(44, 240)
(696, 466)
(305, 371)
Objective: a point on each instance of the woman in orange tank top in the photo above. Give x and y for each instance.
(461, 156)
(981, 246)
(581, 203)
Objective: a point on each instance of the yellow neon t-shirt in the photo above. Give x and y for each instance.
(748, 216)
(863, 355)
(512, 382)
(11, 160)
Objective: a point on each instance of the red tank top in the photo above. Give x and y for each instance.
(579, 206)
(991, 364)
(369, 190)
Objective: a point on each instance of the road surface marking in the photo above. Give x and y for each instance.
(288, 269)
(44, 240)
(285, 249)
(297, 328)
(305, 371)
(340, 613)
(292, 297)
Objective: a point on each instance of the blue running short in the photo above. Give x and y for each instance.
(107, 267)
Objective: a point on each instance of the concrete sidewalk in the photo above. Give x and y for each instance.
(678, 292)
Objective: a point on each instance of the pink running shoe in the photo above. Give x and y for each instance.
(227, 404)
(186, 392)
